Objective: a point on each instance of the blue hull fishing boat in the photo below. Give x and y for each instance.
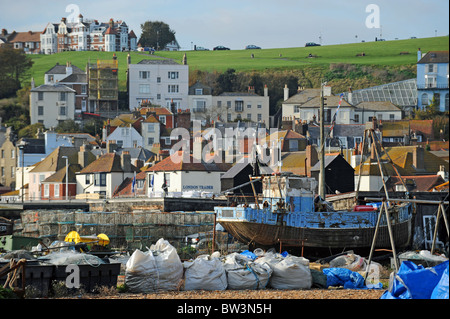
(288, 213)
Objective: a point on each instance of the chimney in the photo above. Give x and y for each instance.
(63, 19)
(125, 160)
(311, 158)
(442, 173)
(374, 123)
(111, 146)
(139, 164)
(266, 90)
(83, 158)
(251, 89)
(350, 96)
(69, 68)
(418, 158)
(419, 55)
(33, 85)
(286, 92)
(326, 90)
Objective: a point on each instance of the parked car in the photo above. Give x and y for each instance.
(252, 47)
(201, 49)
(312, 44)
(220, 47)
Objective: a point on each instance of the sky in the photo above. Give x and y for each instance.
(237, 23)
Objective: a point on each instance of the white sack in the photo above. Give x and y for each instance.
(158, 269)
(289, 273)
(205, 273)
(243, 274)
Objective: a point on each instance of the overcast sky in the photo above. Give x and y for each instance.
(236, 23)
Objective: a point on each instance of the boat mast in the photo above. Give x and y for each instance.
(322, 145)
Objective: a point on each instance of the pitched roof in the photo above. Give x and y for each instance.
(377, 106)
(60, 175)
(294, 162)
(331, 101)
(328, 160)
(402, 159)
(400, 128)
(157, 110)
(158, 61)
(151, 119)
(303, 96)
(61, 69)
(434, 57)
(126, 187)
(108, 163)
(422, 183)
(169, 166)
(110, 31)
(285, 135)
(75, 78)
(29, 36)
(132, 34)
(53, 88)
(55, 161)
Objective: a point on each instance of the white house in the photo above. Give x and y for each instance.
(60, 72)
(81, 34)
(51, 104)
(248, 106)
(382, 110)
(151, 131)
(160, 82)
(125, 136)
(49, 38)
(105, 174)
(185, 178)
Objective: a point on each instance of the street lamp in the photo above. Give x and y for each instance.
(21, 146)
(67, 176)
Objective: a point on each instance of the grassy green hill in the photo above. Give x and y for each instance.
(385, 53)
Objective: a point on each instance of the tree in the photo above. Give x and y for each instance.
(68, 126)
(14, 66)
(226, 82)
(31, 130)
(156, 34)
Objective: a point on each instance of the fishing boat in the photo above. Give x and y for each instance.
(291, 213)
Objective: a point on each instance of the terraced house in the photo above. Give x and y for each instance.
(87, 35)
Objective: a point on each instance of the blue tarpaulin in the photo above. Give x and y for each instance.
(417, 282)
(337, 277)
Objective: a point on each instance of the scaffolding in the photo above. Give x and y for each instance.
(103, 85)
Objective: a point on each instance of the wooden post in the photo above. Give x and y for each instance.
(214, 233)
(438, 217)
(385, 208)
(391, 235)
(374, 240)
(254, 193)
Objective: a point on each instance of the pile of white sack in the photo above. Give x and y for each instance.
(160, 269)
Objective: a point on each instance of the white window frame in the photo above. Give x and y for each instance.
(56, 190)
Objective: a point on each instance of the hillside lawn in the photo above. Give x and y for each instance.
(386, 53)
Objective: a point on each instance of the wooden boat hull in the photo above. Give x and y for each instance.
(341, 230)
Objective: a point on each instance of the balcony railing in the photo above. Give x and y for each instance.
(432, 86)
